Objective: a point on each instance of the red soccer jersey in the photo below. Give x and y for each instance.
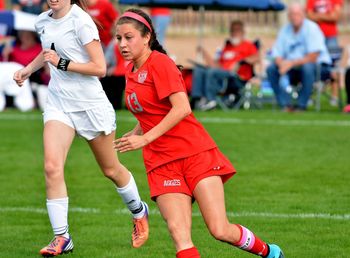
(231, 54)
(325, 6)
(146, 96)
(104, 12)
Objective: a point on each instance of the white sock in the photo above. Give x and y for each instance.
(58, 214)
(131, 198)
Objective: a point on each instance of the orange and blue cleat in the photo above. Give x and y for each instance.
(59, 245)
(141, 230)
(275, 252)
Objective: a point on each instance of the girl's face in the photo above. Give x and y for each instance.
(132, 44)
(57, 5)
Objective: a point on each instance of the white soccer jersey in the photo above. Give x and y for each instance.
(71, 91)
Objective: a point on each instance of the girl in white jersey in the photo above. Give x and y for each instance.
(77, 104)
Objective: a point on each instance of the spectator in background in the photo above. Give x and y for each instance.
(234, 62)
(23, 51)
(30, 6)
(114, 81)
(299, 49)
(347, 88)
(161, 20)
(326, 13)
(105, 14)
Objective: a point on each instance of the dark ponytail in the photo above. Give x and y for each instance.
(155, 45)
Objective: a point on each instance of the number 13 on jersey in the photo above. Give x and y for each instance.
(134, 103)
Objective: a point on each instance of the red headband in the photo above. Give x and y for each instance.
(138, 18)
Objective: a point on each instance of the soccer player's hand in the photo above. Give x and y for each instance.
(21, 75)
(50, 56)
(129, 134)
(130, 143)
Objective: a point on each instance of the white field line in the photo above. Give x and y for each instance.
(213, 120)
(269, 215)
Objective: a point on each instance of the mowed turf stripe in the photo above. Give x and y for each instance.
(195, 214)
(214, 120)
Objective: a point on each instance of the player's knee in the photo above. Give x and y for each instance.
(218, 230)
(109, 172)
(179, 231)
(53, 170)
(112, 171)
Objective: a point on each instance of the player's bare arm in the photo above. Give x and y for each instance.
(95, 67)
(21, 75)
(180, 109)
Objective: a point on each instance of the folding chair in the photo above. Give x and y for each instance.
(320, 86)
(247, 98)
(227, 99)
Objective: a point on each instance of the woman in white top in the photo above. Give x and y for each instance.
(77, 104)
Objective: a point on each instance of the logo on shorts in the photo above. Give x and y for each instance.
(173, 182)
(142, 76)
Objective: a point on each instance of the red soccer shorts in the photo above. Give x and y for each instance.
(182, 175)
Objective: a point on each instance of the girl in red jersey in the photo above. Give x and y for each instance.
(182, 160)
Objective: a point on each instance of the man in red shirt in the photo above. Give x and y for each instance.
(105, 14)
(326, 13)
(234, 62)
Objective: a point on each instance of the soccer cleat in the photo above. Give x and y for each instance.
(141, 230)
(59, 245)
(275, 252)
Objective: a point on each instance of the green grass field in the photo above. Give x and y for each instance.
(292, 188)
